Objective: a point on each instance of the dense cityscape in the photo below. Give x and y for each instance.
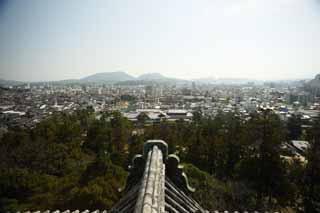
(26, 104)
(171, 106)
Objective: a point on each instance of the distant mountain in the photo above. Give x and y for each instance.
(65, 81)
(315, 83)
(108, 77)
(10, 82)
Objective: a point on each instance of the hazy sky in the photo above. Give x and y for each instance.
(60, 39)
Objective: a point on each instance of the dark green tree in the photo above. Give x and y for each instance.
(263, 167)
(294, 127)
(312, 178)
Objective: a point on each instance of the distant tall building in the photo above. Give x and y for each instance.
(186, 91)
(84, 88)
(149, 91)
(194, 88)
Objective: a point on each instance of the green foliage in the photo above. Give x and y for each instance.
(77, 161)
(312, 177)
(63, 163)
(244, 154)
(214, 194)
(128, 98)
(98, 186)
(294, 127)
(263, 168)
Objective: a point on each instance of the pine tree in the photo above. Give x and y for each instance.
(312, 178)
(294, 127)
(264, 168)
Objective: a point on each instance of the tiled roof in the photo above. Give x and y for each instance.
(159, 187)
(104, 211)
(66, 211)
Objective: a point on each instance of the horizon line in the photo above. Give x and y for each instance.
(167, 76)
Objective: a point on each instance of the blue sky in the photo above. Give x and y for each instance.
(258, 39)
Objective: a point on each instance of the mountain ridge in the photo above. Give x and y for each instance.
(315, 82)
(105, 77)
(124, 77)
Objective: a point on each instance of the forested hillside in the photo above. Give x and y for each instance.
(79, 161)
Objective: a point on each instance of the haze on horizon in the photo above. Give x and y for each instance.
(256, 39)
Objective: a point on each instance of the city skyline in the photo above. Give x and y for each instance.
(263, 40)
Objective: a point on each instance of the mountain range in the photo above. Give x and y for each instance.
(10, 82)
(120, 76)
(125, 78)
(315, 83)
(106, 77)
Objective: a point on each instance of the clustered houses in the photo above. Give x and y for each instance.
(157, 115)
(26, 105)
